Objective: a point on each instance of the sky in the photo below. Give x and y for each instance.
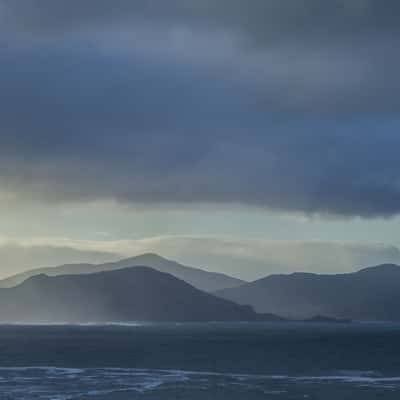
(245, 137)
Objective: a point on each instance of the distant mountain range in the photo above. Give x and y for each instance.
(152, 288)
(201, 279)
(371, 294)
(130, 294)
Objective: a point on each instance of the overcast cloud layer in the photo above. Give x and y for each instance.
(284, 105)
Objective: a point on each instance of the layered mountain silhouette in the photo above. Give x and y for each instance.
(164, 290)
(203, 280)
(371, 294)
(130, 294)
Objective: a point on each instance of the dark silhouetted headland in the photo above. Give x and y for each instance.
(131, 294)
(371, 294)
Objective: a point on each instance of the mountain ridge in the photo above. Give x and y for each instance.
(202, 279)
(371, 293)
(136, 293)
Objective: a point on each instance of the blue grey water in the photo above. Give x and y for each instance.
(200, 361)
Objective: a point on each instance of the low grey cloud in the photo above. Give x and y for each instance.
(284, 105)
(244, 258)
(18, 257)
(251, 259)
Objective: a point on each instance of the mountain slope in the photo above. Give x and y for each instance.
(370, 294)
(203, 280)
(131, 294)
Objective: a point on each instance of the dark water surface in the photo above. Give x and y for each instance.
(200, 361)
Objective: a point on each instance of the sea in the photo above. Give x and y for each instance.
(212, 361)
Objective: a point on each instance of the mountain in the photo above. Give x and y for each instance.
(371, 294)
(203, 280)
(130, 294)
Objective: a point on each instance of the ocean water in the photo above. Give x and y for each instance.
(200, 361)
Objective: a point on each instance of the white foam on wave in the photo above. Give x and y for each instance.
(78, 324)
(53, 370)
(53, 383)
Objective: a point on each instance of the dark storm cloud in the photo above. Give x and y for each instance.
(279, 104)
(263, 19)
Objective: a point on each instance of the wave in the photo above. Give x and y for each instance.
(66, 323)
(45, 383)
